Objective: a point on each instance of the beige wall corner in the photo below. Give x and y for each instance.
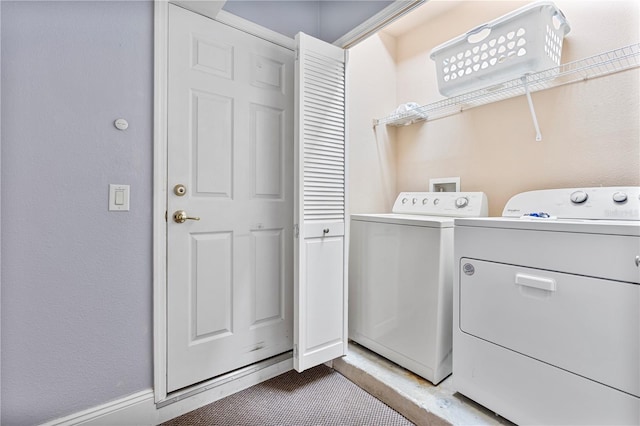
(590, 129)
(372, 150)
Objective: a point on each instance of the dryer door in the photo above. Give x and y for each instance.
(584, 325)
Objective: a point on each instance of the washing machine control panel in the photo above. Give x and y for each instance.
(454, 204)
(608, 203)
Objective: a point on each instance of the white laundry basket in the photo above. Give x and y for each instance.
(526, 40)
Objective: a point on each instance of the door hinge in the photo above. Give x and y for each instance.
(295, 351)
(296, 230)
(166, 216)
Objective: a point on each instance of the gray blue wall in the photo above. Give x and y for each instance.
(76, 278)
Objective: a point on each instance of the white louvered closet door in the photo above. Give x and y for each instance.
(320, 285)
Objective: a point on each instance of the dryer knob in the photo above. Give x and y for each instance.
(415, 200)
(404, 201)
(619, 197)
(462, 202)
(579, 197)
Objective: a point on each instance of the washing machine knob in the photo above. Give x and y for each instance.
(619, 197)
(436, 201)
(404, 201)
(578, 197)
(415, 200)
(462, 202)
(425, 201)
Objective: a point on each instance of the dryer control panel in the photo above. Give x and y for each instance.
(453, 204)
(605, 203)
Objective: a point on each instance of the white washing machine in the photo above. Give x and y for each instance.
(547, 308)
(400, 279)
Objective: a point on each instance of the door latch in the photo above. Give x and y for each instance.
(180, 216)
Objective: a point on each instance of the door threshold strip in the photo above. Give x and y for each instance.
(222, 379)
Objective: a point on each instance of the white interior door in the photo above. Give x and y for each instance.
(320, 285)
(230, 146)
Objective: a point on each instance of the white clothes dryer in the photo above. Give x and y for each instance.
(547, 308)
(401, 277)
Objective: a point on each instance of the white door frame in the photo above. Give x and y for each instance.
(0, 202)
(161, 20)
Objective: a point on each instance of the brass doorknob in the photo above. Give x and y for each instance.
(180, 190)
(180, 216)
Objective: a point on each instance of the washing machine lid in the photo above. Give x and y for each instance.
(405, 219)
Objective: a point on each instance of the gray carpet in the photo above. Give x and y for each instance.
(318, 396)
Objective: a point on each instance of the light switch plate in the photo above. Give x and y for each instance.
(118, 198)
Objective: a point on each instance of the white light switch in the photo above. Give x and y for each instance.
(118, 198)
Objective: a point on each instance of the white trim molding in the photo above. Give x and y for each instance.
(161, 22)
(378, 21)
(255, 30)
(234, 21)
(0, 204)
(139, 409)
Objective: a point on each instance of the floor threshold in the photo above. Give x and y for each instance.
(411, 395)
(215, 382)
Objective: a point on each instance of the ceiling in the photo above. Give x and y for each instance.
(341, 22)
(327, 20)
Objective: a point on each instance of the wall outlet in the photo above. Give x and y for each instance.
(451, 184)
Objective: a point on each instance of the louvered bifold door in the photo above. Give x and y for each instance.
(320, 287)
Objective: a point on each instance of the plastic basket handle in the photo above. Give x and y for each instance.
(562, 21)
(478, 34)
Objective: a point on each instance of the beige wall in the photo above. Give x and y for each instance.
(590, 129)
(372, 151)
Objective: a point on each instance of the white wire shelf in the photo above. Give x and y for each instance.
(606, 63)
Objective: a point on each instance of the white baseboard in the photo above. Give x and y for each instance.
(140, 409)
(137, 409)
